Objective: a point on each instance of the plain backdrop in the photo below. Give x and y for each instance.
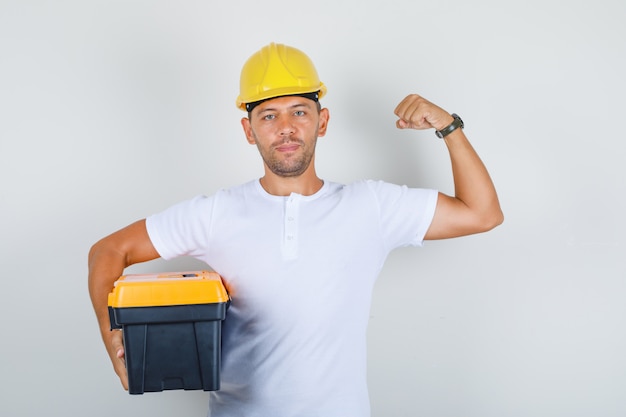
(113, 110)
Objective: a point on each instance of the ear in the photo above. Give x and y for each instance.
(247, 129)
(323, 124)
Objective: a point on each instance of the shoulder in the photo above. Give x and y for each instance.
(232, 194)
(355, 186)
(364, 193)
(374, 187)
(390, 194)
(239, 190)
(203, 202)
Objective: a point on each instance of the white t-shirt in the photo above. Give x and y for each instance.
(300, 272)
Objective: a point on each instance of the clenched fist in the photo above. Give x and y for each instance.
(415, 112)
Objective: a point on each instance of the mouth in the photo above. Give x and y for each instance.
(288, 147)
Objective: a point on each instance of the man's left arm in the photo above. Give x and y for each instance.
(475, 207)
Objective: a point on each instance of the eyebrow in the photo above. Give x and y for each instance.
(267, 109)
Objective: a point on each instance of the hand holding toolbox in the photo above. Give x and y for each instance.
(172, 324)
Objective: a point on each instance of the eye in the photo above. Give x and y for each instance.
(269, 117)
(299, 113)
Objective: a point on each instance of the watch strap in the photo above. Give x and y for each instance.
(456, 123)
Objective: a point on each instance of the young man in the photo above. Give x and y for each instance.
(298, 254)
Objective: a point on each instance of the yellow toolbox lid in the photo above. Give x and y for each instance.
(166, 289)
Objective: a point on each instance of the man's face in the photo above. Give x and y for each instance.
(285, 130)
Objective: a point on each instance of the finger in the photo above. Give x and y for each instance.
(117, 342)
(414, 121)
(413, 111)
(124, 379)
(123, 375)
(412, 100)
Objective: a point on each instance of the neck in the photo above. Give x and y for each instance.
(284, 186)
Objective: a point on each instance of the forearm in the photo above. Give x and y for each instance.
(105, 266)
(107, 260)
(473, 186)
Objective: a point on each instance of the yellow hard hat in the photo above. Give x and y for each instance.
(277, 70)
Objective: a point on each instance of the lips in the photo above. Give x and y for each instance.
(288, 147)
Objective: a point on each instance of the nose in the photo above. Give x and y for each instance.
(285, 127)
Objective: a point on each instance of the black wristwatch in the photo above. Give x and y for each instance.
(456, 123)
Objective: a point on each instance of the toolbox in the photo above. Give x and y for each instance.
(172, 325)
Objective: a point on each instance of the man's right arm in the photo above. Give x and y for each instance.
(107, 260)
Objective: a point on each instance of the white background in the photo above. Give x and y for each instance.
(113, 110)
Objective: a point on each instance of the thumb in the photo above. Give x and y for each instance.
(401, 124)
(118, 345)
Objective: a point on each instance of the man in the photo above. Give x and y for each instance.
(298, 254)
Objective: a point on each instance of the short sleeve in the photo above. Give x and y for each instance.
(182, 229)
(405, 213)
